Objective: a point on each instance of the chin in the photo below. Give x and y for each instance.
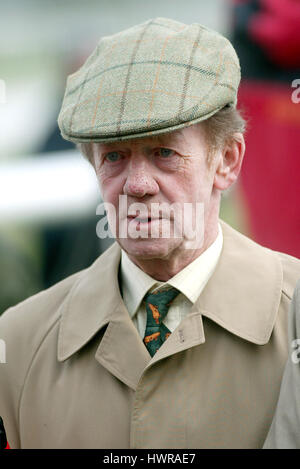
(149, 248)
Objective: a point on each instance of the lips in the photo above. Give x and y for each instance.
(140, 220)
(143, 219)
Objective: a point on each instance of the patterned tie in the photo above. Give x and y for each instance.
(157, 305)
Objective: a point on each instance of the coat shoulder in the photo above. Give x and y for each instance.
(29, 322)
(44, 307)
(37, 311)
(23, 329)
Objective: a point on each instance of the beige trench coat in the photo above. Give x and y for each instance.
(78, 375)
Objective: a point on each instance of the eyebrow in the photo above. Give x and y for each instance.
(159, 139)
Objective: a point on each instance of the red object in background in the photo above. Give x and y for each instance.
(3, 441)
(276, 28)
(270, 177)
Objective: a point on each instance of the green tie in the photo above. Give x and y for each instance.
(157, 305)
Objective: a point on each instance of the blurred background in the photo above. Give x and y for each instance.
(49, 193)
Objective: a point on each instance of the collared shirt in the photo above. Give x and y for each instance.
(190, 281)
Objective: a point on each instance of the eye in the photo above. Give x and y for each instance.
(113, 156)
(165, 152)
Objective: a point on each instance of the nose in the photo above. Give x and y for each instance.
(139, 181)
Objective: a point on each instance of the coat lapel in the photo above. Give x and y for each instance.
(121, 350)
(244, 293)
(93, 303)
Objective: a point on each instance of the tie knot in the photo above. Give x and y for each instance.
(158, 303)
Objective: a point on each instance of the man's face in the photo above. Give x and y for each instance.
(168, 169)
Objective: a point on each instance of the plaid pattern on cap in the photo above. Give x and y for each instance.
(153, 78)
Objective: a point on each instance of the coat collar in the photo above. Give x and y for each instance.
(242, 296)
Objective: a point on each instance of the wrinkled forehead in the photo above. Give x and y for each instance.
(181, 138)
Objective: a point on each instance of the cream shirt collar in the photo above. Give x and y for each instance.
(190, 281)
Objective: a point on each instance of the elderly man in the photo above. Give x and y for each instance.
(173, 338)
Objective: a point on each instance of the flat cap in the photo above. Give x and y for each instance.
(153, 78)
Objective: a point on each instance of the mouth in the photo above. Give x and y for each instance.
(142, 219)
(158, 226)
(146, 219)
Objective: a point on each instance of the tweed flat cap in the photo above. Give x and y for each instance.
(153, 78)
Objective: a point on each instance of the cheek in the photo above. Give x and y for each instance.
(193, 186)
(187, 183)
(110, 187)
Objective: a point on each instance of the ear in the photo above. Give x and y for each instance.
(229, 163)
